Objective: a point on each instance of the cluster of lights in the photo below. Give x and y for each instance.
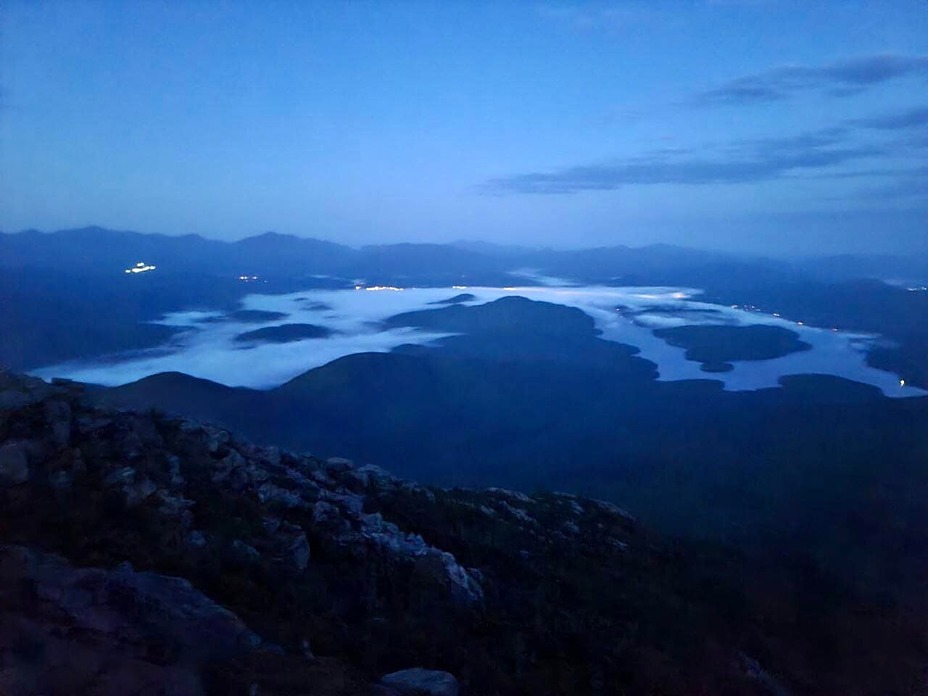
(753, 308)
(378, 288)
(247, 279)
(140, 267)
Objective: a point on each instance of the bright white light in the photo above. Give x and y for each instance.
(140, 267)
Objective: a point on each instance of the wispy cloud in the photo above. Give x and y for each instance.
(842, 78)
(817, 154)
(209, 354)
(910, 186)
(913, 118)
(755, 160)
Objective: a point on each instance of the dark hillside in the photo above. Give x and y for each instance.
(822, 464)
(319, 576)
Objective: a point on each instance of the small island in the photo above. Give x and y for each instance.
(457, 299)
(285, 333)
(715, 346)
(313, 306)
(254, 316)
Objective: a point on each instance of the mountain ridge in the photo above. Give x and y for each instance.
(341, 573)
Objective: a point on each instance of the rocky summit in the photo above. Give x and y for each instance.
(148, 554)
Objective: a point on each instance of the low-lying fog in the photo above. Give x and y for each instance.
(209, 346)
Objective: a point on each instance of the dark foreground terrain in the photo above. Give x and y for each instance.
(189, 561)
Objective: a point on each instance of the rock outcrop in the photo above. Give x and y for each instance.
(141, 553)
(421, 682)
(67, 630)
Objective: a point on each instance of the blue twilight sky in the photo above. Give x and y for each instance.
(761, 125)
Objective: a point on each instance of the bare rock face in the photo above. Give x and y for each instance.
(69, 630)
(421, 682)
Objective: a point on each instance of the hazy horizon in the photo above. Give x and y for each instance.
(476, 241)
(755, 126)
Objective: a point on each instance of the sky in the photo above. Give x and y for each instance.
(766, 126)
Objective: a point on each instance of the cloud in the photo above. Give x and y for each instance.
(815, 153)
(913, 118)
(843, 78)
(763, 159)
(908, 185)
(209, 350)
(210, 354)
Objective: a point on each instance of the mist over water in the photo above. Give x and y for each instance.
(207, 346)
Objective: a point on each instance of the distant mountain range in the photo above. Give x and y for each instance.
(99, 250)
(65, 295)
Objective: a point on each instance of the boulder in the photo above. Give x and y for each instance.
(216, 438)
(175, 507)
(327, 517)
(196, 539)
(272, 494)
(246, 553)
(421, 682)
(222, 468)
(18, 391)
(177, 479)
(58, 415)
(338, 464)
(292, 546)
(107, 632)
(298, 552)
(60, 480)
(14, 463)
(138, 491)
(119, 477)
